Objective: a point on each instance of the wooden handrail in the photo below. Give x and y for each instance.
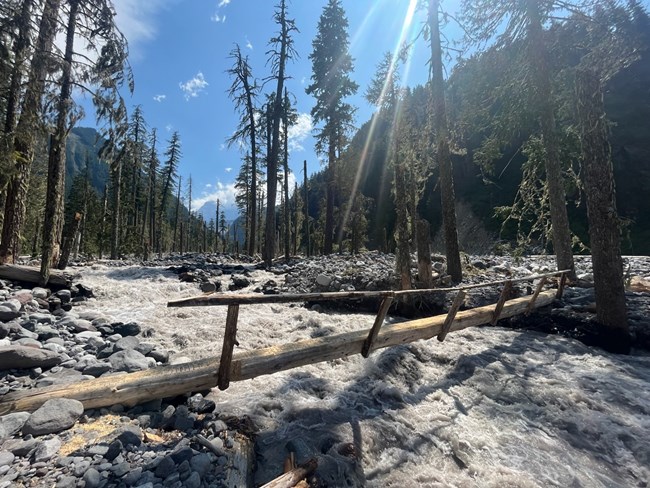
(249, 298)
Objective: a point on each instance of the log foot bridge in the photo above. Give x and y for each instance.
(167, 381)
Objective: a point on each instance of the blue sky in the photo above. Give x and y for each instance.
(179, 55)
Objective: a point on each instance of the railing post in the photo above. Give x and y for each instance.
(229, 340)
(507, 287)
(451, 315)
(379, 320)
(533, 299)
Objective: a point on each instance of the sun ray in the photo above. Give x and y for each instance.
(406, 25)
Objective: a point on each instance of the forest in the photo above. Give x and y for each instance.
(539, 128)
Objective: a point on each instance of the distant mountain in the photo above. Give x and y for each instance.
(84, 144)
(209, 211)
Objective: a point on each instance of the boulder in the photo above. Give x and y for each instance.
(21, 357)
(129, 329)
(53, 416)
(129, 360)
(12, 423)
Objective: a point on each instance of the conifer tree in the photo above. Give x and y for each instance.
(243, 92)
(168, 177)
(331, 85)
(281, 51)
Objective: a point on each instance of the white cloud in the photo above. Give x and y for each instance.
(159, 98)
(169, 127)
(249, 45)
(222, 147)
(218, 18)
(137, 21)
(225, 193)
(193, 87)
(223, 3)
(303, 80)
(300, 131)
(228, 170)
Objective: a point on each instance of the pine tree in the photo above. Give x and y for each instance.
(281, 51)
(23, 146)
(331, 85)
(526, 22)
(168, 177)
(243, 92)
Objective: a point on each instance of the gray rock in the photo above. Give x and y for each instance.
(64, 295)
(19, 447)
(183, 454)
(81, 325)
(180, 360)
(98, 449)
(121, 469)
(130, 436)
(97, 369)
(6, 458)
(194, 481)
(129, 361)
(160, 355)
(45, 332)
(7, 313)
(46, 450)
(130, 329)
(53, 416)
(67, 482)
(12, 423)
(42, 293)
(28, 342)
(165, 467)
(207, 287)
(92, 478)
(323, 280)
(114, 450)
(132, 477)
(20, 357)
(88, 334)
(144, 348)
(128, 342)
(201, 463)
(41, 318)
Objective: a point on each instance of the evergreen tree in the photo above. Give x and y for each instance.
(281, 51)
(168, 177)
(443, 157)
(331, 85)
(22, 148)
(243, 92)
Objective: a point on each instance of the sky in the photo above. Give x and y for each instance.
(179, 53)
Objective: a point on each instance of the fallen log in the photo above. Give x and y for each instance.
(166, 381)
(29, 274)
(293, 477)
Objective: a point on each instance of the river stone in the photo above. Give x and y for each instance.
(6, 458)
(12, 423)
(323, 280)
(129, 361)
(46, 450)
(201, 463)
(7, 313)
(42, 293)
(21, 357)
(53, 416)
(92, 478)
(124, 330)
(128, 342)
(41, 318)
(64, 295)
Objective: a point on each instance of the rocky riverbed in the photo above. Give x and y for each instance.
(50, 337)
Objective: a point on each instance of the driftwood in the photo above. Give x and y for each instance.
(28, 274)
(166, 381)
(293, 477)
(240, 472)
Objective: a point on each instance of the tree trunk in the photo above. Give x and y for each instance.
(102, 227)
(403, 255)
(604, 226)
(69, 240)
(423, 239)
(447, 195)
(252, 197)
(328, 240)
(542, 85)
(307, 237)
(26, 134)
(115, 217)
(285, 166)
(53, 222)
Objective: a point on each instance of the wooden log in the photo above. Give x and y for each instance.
(29, 274)
(240, 472)
(540, 285)
(166, 381)
(502, 299)
(229, 340)
(451, 315)
(379, 320)
(293, 477)
(208, 445)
